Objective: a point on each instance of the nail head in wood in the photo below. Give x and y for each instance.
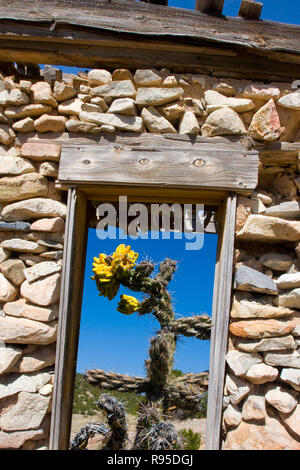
(250, 10)
(214, 7)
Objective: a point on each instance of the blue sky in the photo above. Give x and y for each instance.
(112, 341)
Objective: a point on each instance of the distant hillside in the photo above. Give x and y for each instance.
(86, 397)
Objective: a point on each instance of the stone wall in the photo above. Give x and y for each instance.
(261, 396)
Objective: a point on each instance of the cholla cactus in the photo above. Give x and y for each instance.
(162, 390)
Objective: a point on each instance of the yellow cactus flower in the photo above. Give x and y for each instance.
(128, 304)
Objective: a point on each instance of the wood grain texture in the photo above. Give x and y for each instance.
(220, 321)
(163, 162)
(210, 6)
(69, 320)
(91, 33)
(250, 9)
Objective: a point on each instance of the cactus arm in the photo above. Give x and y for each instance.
(198, 326)
(81, 439)
(115, 414)
(112, 381)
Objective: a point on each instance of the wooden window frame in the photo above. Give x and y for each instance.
(79, 192)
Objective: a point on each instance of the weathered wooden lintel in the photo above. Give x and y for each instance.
(158, 162)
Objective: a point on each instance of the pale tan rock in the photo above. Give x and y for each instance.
(262, 228)
(55, 224)
(115, 89)
(288, 281)
(50, 123)
(7, 290)
(15, 166)
(9, 355)
(124, 106)
(97, 100)
(99, 77)
(22, 187)
(225, 89)
(173, 111)
(122, 74)
(20, 245)
(254, 408)
(171, 81)
(261, 328)
(14, 97)
(24, 126)
(16, 439)
(237, 388)
(232, 416)
(214, 101)
(276, 261)
(63, 91)
(147, 77)
(49, 169)
(251, 309)
(189, 124)
(35, 358)
(25, 331)
(239, 362)
(155, 122)
(271, 436)
(4, 254)
(27, 413)
(25, 85)
(42, 292)
(30, 259)
(290, 299)
(262, 92)
(45, 268)
(41, 151)
(106, 128)
(281, 398)
(79, 126)
(28, 110)
(46, 390)
(266, 344)
(224, 121)
(261, 374)
(292, 377)
(124, 123)
(292, 421)
(72, 107)
(13, 269)
(15, 383)
(20, 308)
(92, 107)
(291, 101)
(41, 92)
(157, 96)
(7, 135)
(33, 209)
(265, 124)
(283, 359)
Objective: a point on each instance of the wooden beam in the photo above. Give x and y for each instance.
(92, 33)
(214, 7)
(69, 320)
(220, 321)
(250, 10)
(160, 162)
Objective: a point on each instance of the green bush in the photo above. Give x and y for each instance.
(86, 397)
(192, 440)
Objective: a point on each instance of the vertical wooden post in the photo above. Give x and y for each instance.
(156, 2)
(210, 6)
(69, 320)
(220, 321)
(250, 10)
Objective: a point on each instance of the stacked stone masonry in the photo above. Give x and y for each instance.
(261, 394)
